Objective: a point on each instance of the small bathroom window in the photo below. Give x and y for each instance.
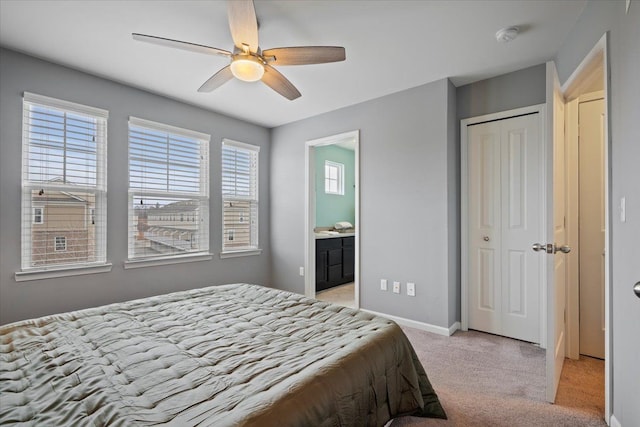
(333, 178)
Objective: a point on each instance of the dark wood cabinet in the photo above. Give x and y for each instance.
(321, 266)
(348, 258)
(335, 259)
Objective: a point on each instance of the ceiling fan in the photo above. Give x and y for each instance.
(248, 62)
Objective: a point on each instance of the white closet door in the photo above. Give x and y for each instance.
(484, 228)
(485, 292)
(521, 220)
(504, 221)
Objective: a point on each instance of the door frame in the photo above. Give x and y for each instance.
(599, 53)
(310, 210)
(464, 208)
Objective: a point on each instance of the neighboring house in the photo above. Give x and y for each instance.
(237, 223)
(62, 228)
(163, 229)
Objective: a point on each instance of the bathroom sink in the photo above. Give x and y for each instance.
(327, 233)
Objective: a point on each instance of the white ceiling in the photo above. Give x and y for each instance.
(390, 45)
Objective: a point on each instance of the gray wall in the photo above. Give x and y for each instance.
(21, 300)
(624, 120)
(520, 88)
(407, 193)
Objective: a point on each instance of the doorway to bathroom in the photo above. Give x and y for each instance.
(332, 202)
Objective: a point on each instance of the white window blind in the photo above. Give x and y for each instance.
(168, 191)
(63, 178)
(239, 196)
(333, 178)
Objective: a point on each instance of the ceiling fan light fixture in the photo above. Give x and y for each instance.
(248, 62)
(247, 68)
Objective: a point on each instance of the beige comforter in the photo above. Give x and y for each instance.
(233, 355)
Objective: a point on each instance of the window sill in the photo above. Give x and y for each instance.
(166, 260)
(23, 276)
(235, 254)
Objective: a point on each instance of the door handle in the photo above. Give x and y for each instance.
(565, 249)
(547, 248)
(636, 289)
(551, 248)
(539, 247)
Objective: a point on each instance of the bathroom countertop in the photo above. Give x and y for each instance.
(332, 236)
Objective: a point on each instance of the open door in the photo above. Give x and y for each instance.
(583, 80)
(556, 233)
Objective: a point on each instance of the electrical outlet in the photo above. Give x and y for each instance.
(302, 271)
(383, 284)
(411, 289)
(396, 287)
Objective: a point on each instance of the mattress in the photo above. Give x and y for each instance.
(231, 355)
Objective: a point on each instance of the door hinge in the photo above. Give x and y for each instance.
(564, 314)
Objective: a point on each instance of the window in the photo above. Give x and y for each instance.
(60, 243)
(168, 179)
(333, 178)
(64, 175)
(38, 216)
(239, 196)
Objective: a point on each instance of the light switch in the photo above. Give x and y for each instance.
(383, 284)
(623, 210)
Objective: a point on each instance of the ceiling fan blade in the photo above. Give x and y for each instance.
(303, 55)
(243, 23)
(192, 47)
(217, 80)
(279, 83)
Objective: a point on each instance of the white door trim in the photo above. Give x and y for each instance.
(585, 66)
(464, 208)
(310, 211)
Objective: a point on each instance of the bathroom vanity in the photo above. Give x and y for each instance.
(335, 259)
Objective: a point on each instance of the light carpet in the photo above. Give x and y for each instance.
(487, 380)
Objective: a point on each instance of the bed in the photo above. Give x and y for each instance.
(231, 355)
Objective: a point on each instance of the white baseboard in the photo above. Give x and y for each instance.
(418, 325)
(454, 328)
(613, 421)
